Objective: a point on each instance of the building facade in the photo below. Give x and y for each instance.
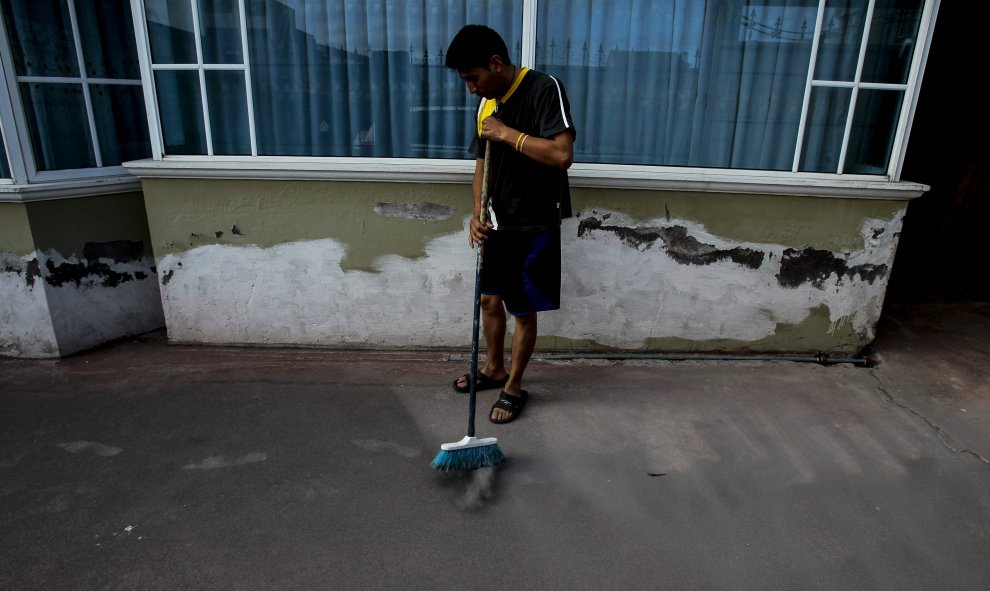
(295, 172)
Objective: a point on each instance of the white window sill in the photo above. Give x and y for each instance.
(12, 192)
(411, 170)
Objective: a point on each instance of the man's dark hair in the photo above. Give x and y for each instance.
(473, 47)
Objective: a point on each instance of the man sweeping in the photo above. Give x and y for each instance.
(524, 119)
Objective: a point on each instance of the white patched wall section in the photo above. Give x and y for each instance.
(623, 284)
(53, 306)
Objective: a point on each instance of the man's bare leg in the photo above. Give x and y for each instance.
(493, 318)
(523, 343)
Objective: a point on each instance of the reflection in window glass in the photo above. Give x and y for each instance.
(181, 112)
(893, 36)
(827, 114)
(226, 96)
(40, 33)
(874, 125)
(59, 127)
(221, 32)
(108, 49)
(119, 113)
(366, 77)
(170, 31)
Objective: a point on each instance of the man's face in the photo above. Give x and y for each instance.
(482, 82)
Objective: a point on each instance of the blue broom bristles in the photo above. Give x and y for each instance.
(484, 456)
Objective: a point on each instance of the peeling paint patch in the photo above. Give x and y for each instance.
(424, 212)
(816, 266)
(79, 273)
(101, 265)
(681, 246)
(11, 263)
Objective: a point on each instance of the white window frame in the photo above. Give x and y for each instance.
(27, 183)
(794, 182)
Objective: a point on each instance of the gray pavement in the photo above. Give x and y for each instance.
(147, 466)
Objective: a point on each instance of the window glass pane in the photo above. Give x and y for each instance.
(365, 77)
(842, 35)
(827, 113)
(181, 111)
(226, 95)
(170, 31)
(40, 34)
(717, 84)
(121, 126)
(4, 164)
(107, 38)
(58, 125)
(221, 27)
(874, 126)
(893, 37)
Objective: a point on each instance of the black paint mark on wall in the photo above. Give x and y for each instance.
(681, 246)
(92, 273)
(816, 266)
(11, 263)
(91, 270)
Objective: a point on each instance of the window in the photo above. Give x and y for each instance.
(818, 86)
(315, 78)
(77, 78)
(723, 84)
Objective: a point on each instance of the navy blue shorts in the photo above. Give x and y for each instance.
(523, 267)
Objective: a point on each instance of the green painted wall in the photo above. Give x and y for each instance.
(795, 222)
(184, 214)
(67, 225)
(15, 230)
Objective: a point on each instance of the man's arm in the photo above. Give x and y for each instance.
(556, 151)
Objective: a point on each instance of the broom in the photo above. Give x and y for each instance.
(471, 452)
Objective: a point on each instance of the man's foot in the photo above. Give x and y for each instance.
(463, 383)
(508, 407)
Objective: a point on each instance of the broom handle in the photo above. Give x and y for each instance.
(475, 324)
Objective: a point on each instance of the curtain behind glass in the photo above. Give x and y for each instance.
(716, 83)
(365, 77)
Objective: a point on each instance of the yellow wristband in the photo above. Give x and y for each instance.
(521, 138)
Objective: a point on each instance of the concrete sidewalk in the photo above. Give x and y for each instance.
(147, 466)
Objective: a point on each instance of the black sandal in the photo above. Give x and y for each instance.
(511, 404)
(484, 383)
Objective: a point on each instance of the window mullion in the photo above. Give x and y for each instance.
(87, 99)
(140, 21)
(246, 59)
(808, 86)
(202, 77)
(530, 11)
(18, 142)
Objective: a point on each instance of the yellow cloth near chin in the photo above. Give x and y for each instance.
(489, 106)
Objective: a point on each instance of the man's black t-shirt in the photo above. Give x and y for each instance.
(523, 193)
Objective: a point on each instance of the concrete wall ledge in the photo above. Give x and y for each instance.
(65, 189)
(614, 176)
